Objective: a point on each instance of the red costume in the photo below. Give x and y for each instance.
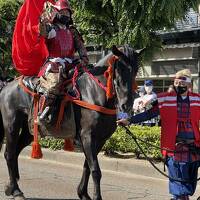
(168, 111)
(58, 48)
(63, 40)
(30, 49)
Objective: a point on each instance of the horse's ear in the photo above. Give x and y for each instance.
(116, 51)
(140, 51)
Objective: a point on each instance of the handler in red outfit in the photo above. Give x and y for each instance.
(180, 136)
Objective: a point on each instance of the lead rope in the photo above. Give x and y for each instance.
(150, 161)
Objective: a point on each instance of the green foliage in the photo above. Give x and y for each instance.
(8, 10)
(108, 22)
(51, 143)
(122, 142)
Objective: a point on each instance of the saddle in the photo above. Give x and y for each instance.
(55, 115)
(49, 108)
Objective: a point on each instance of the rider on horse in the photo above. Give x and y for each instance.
(62, 41)
(49, 52)
(62, 38)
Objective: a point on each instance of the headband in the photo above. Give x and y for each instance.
(184, 78)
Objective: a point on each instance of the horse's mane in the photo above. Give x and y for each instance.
(104, 60)
(98, 70)
(101, 66)
(130, 54)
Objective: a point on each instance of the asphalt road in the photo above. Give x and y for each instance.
(44, 180)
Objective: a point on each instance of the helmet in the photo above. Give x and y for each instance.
(61, 5)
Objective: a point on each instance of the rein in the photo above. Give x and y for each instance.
(108, 74)
(150, 161)
(109, 92)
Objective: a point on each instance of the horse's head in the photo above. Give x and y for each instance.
(125, 69)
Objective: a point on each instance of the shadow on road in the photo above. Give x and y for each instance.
(49, 199)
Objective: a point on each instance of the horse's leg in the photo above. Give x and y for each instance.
(2, 134)
(25, 139)
(91, 151)
(11, 158)
(83, 186)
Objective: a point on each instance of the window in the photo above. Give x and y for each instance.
(159, 85)
(171, 67)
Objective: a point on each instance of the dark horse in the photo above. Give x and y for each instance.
(93, 128)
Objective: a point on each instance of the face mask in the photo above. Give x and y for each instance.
(181, 89)
(141, 94)
(63, 19)
(148, 89)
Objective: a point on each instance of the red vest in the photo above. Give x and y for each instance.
(168, 112)
(62, 45)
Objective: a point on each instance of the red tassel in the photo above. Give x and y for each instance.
(68, 145)
(36, 151)
(109, 75)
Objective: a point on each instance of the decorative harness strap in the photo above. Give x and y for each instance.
(108, 74)
(109, 92)
(36, 149)
(67, 98)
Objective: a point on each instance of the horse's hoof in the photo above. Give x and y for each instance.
(8, 190)
(21, 197)
(18, 195)
(84, 197)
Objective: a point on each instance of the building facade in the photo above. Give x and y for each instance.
(181, 49)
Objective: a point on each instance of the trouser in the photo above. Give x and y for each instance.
(183, 171)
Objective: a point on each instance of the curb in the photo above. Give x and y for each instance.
(129, 166)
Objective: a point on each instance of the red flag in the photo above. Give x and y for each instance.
(28, 47)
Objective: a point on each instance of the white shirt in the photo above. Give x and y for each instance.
(138, 104)
(148, 98)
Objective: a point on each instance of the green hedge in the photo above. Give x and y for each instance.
(122, 142)
(51, 143)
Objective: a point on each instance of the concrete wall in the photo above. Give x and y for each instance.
(173, 54)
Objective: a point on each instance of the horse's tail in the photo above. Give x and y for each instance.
(2, 134)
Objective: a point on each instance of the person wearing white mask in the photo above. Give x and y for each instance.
(150, 96)
(148, 99)
(180, 134)
(138, 105)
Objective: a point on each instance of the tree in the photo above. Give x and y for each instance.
(8, 10)
(108, 22)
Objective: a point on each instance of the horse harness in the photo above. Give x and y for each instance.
(38, 101)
